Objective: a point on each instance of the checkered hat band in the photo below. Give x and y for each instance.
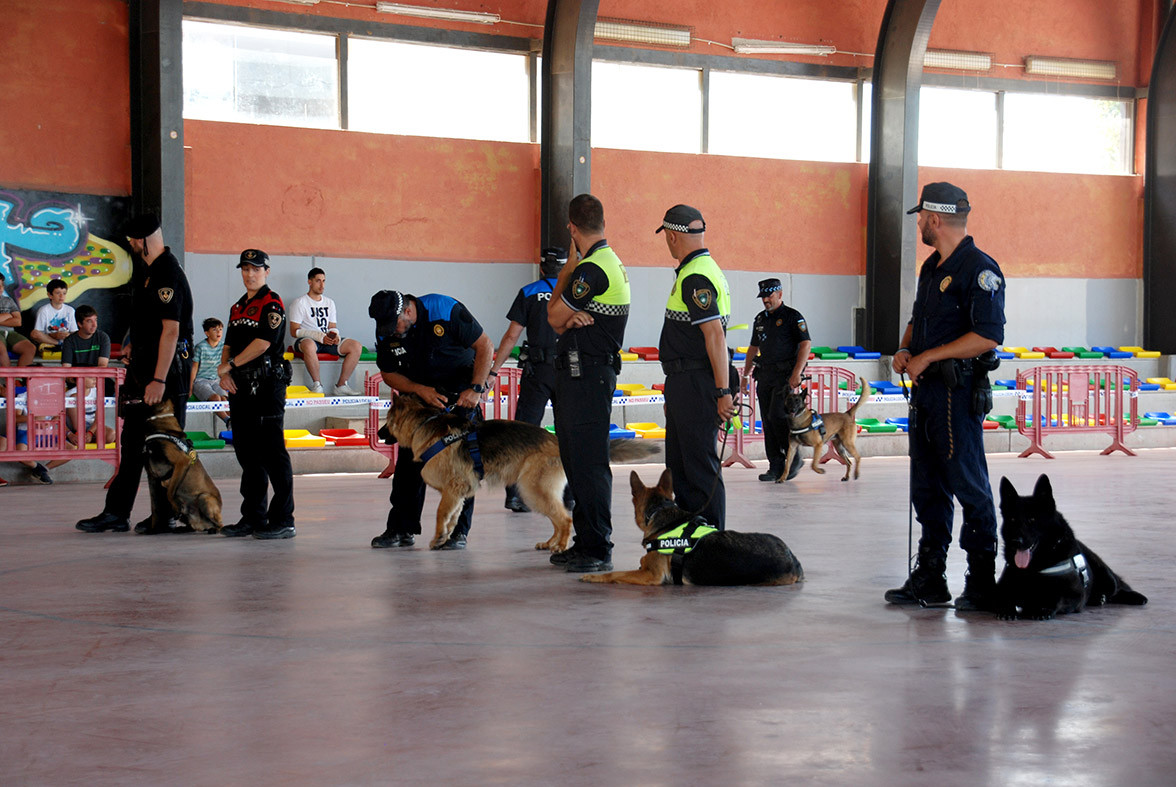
(681, 227)
(677, 316)
(940, 207)
(607, 309)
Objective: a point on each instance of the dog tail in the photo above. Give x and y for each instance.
(629, 450)
(865, 397)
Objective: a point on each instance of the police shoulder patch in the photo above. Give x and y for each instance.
(580, 289)
(165, 294)
(802, 324)
(439, 329)
(275, 319)
(703, 298)
(988, 281)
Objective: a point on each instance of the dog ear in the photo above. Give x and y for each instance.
(665, 484)
(1007, 491)
(1043, 490)
(635, 483)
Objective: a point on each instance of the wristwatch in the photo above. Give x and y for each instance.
(478, 388)
(721, 392)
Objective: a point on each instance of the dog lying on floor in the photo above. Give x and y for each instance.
(812, 429)
(1047, 570)
(512, 452)
(171, 462)
(685, 551)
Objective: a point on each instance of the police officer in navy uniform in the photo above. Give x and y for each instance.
(254, 375)
(958, 319)
(694, 357)
(161, 344)
(433, 347)
(529, 313)
(779, 350)
(589, 310)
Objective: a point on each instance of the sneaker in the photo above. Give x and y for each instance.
(455, 542)
(3, 483)
(316, 387)
(40, 474)
(238, 530)
(287, 531)
(345, 390)
(390, 538)
(583, 564)
(103, 522)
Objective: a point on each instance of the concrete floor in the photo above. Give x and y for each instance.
(200, 660)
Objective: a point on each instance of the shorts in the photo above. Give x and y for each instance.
(11, 338)
(328, 349)
(205, 389)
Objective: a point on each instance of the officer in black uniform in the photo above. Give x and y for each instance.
(529, 313)
(779, 350)
(947, 350)
(433, 347)
(161, 343)
(694, 357)
(254, 374)
(589, 310)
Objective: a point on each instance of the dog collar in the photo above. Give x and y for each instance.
(182, 444)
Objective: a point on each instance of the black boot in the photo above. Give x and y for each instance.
(514, 502)
(775, 470)
(926, 585)
(979, 584)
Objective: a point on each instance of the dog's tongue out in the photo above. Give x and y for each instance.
(1022, 558)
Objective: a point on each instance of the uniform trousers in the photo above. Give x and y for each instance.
(947, 459)
(776, 431)
(691, 432)
(408, 498)
(260, 445)
(583, 407)
(536, 389)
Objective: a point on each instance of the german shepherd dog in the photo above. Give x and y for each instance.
(841, 428)
(513, 452)
(722, 558)
(1047, 570)
(172, 463)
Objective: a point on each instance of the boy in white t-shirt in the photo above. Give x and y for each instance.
(55, 320)
(312, 324)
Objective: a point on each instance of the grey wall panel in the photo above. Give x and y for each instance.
(1061, 312)
(1113, 312)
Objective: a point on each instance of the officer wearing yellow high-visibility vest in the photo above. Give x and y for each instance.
(693, 354)
(588, 310)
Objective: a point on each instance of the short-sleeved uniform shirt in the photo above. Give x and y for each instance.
(964, 294)
(777, 335)
(261, 317)
(607, 332)
(159, 292)
(682, 339)
(208, 358)
(77, 351)
(310, 313)
(530, 311)
(438, 350)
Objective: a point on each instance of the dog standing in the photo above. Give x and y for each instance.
(840, 428)
(1048, 571)
(172, 463)
(687, 552)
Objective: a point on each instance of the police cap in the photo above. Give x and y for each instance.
(255, 258)
(385, 307)
(554, 255)
(942, 197)
(679, 218)
(142, 226)
(768, 286)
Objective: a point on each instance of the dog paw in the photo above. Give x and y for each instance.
(820, 470)
(437, 543)
(592, 578)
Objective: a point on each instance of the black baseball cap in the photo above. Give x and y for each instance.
(554, 254)
(142, 226)
(679, 218)
(942, 197)
(385, 307)
(768, 286)
(255, 258)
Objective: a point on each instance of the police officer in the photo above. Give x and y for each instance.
(779, 350)
(529, 312)
(589, 310)
(958, 319)
(161, 339)
(254, 375)
(433, 347)
(693, 353)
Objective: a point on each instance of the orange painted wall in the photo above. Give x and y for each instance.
(64, 96)
(345, 193)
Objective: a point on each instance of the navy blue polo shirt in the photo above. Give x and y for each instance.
(438, 350)
(777, 335)
(964, 294)
(530, 311)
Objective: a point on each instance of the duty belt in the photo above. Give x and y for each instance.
(684, 365)
(561, 361)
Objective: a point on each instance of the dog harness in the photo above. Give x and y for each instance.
(471, 439)
(679, 541)
(817, 424)
(181, 443)
(1076, 564)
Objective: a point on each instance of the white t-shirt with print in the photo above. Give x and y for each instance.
(50, 320)
(310, 313)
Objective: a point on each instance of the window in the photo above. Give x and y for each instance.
(782, 117)
(957, 128)
(257, 75)
(1067, 134)
(438, 91)
(646, 107)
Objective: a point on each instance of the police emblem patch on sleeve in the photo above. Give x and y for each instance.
(580, 289)
(802, 324)
(988, 281)
(703, 299)
(275, 319)
(165, 294)
(439, 329)
(943, 285)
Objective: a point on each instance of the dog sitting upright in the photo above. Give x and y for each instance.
(841, 428)
(171, 462)
(685, 551)
(1047, 570)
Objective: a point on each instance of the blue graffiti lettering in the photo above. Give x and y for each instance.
(48, 231)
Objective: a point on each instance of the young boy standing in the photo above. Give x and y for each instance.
(205, 358)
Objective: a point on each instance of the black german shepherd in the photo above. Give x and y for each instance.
(1047, 570)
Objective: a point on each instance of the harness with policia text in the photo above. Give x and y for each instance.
(679, 542)
(469, 435)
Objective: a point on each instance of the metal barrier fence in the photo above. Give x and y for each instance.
(44, 412)
(1070, 399)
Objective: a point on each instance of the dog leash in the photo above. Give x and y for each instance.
(906, 394)
(725, 427)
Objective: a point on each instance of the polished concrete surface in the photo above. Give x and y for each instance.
(200, 660)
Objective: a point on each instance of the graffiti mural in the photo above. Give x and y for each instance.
(46, 236)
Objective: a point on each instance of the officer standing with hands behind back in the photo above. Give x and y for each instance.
(254, 375)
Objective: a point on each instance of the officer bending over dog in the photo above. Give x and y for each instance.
(947, 350)
(254, 375)
(433, 347)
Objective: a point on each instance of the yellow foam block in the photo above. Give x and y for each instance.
(647, 429)
(1147, 353)
(641, 426)
(627, 387)
(1016, 350)
(310, 441)
(644, 392)
(1170, 386)
(93, 446)
(629, 357)
(1159, 380)
(1030, 355)
(301, 392)
(1130, 349)
(741, 349)
(289, 356)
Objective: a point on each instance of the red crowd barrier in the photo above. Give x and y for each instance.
(1077, 399)
(44, 413)
(375, 419)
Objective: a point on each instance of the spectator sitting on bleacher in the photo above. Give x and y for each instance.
(9, 325)
(87, 346)
(55, 320)
(312, 323)
(205, 385)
